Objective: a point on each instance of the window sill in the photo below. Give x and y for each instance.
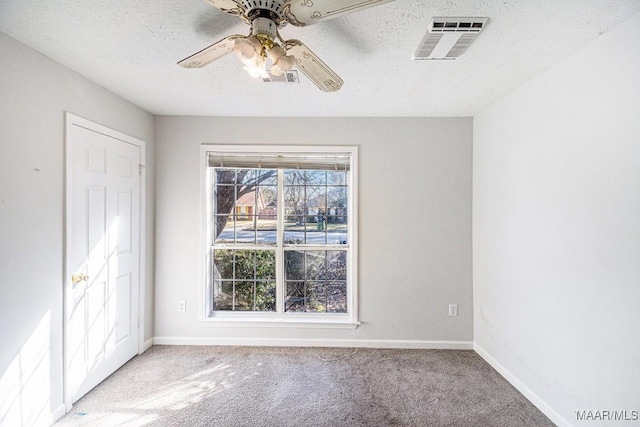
(265, 321)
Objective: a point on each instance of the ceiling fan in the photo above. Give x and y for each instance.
(264, 51)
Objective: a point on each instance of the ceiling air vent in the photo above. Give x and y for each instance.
(448, 38)
(288, 77)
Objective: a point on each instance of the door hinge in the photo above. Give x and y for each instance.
(140, 168)
(139, 322)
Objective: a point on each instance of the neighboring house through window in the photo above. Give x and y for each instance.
(281, 234)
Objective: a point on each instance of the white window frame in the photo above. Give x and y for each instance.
(347, 320)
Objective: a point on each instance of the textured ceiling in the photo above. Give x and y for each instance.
(131, 48)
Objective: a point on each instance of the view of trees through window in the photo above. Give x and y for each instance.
(311, 238)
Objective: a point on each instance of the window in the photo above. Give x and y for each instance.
(281, 234)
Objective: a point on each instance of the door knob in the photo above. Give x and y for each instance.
(77, 278)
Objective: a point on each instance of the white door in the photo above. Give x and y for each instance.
(103, 247)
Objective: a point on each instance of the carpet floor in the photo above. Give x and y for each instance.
(269, 386)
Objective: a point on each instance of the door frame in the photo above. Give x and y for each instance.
(70, 121)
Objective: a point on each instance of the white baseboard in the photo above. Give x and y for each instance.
(301, 342)
(56, 414)
(543, 406)
(147, 345)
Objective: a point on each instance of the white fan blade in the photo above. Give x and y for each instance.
(307, 12)
(312, 67)
(227, 6)
(211, 53)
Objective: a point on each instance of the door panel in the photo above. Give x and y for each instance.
(103, 221)
(124, 222)
(123, 307)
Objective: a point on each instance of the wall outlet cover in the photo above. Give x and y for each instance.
(453, 309)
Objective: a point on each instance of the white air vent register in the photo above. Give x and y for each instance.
(448, 38)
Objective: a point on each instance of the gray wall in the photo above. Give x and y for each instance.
(414, 224)
(556, 231)
(35, 92)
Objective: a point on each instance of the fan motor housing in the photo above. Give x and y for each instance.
(264, 26)
(271, 9)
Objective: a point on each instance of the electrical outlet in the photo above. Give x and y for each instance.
(453, 309)
(182, 306)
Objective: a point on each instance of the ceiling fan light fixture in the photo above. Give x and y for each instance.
(275, 53)
(248, 51)
(285, 63)
(280, 62)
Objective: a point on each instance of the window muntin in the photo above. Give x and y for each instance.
(317, 229)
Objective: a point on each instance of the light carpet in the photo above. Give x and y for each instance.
(269, 386)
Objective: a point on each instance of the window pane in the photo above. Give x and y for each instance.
(337, 297)
(244, 264)
(337, 198)
(316, 237)
(267, 202)
(314, 265)
(265, 265)
(246, 177)
(267, 176)
(223, 265)
(244, 296)
(294, 177)
(294, 300)
(294, 198)
(337, 239)
(315, 199)
(225, 196)
(245, 229)
(223, 295)
(338, 223)
(314, 177)
(226, 225)
(294, 229)
(265, 299)
(337, 177)
(336, 265)
(225, 176)
(316, 297)
(294, 238)
(294, 265)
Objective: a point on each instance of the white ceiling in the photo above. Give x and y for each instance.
(131, 48)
